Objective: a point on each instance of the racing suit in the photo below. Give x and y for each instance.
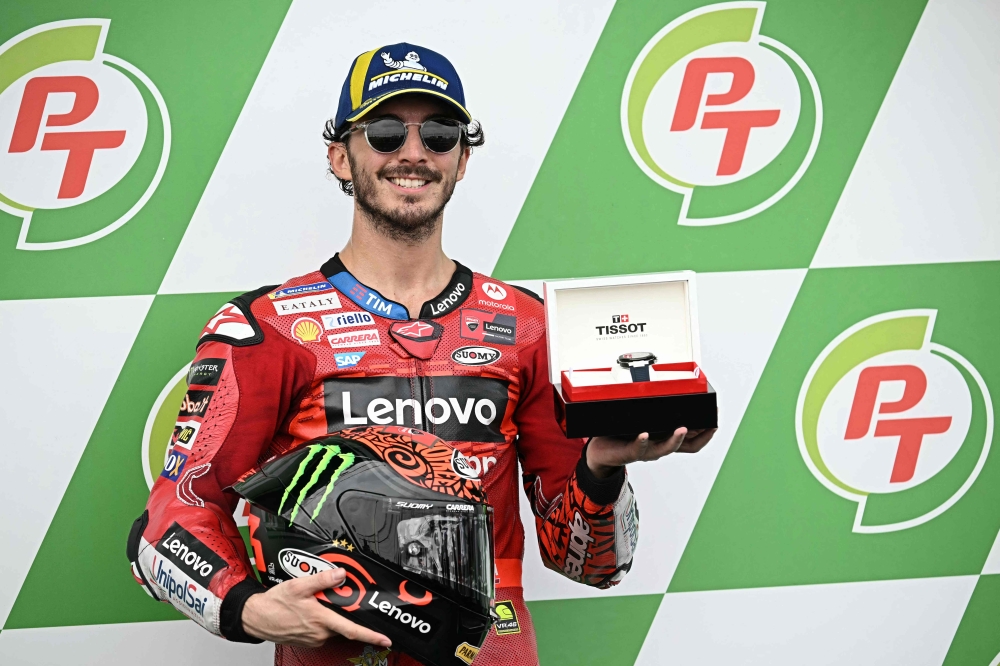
(282, 365)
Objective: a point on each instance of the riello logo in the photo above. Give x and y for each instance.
(84, 135)
(721, 114)
(895, 422)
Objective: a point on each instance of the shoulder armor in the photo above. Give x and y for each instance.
(234, 323)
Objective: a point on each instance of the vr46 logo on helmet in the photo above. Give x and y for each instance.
(893, 421)
(77, 126)
(721, 114)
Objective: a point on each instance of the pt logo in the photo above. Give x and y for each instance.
(893, 421)
(711, 103)
(77, 126)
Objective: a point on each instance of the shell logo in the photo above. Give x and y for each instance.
(77, 126)
(306, 330)
(894, 422)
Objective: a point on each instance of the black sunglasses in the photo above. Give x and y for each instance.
(387, 135)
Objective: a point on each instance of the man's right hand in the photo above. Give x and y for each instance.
(290, 614)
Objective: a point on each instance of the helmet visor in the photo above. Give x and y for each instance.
(445, 544)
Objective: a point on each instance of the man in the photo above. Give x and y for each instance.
(390, 330)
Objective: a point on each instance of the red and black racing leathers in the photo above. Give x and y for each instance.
(282, 365)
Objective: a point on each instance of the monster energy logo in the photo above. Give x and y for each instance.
(323, 455)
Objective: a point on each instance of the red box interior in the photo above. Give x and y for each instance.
(637, 389)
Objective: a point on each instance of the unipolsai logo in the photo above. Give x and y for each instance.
(84, 135)
(721, 114)
(893, 421)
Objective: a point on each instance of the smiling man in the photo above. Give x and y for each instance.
(388, 331)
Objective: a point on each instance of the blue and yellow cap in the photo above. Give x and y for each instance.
(392, 70)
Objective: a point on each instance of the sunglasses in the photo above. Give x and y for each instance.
(387, 135)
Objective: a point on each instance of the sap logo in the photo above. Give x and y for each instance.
(298, 563)
(475, 355)
(395, 612)
(413, 505)
(379, 411)
(366, 338)
(452, 299)
(332, 322)
(579, 542)
(348, 359)
(179, 587)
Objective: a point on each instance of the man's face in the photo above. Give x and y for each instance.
(402, 193)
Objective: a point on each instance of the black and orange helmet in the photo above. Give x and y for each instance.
(404, 514)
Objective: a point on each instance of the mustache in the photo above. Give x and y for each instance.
(418, 171)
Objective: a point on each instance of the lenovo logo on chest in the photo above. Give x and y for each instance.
(469, 409)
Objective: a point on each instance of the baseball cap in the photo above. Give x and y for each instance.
(385, 72)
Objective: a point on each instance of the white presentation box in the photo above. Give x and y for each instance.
(591, 322)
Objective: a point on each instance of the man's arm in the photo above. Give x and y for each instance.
(587, 524)
(185, 548)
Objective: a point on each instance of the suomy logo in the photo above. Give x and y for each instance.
(75, 124)
(710, 102)
(884, 411)
(299, 563)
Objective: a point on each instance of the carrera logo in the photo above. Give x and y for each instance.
(475, 355)
(71, 128)
(702, 113)
(883, 411)
(354, 339)
(299, 563)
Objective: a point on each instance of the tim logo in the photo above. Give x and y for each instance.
(710, 102)
(74, 123)
(884, 410)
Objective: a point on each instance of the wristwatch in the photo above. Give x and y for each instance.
(638, 364)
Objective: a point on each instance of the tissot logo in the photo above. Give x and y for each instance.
(621, 326)
(710, 112)
(72, 127)
(453, 408)
(884, 410)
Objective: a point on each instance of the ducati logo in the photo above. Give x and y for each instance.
(884, 410)
(710, 102)
(75, 124)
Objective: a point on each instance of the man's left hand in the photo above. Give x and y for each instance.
(606, 454)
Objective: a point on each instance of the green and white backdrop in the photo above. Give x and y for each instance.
(831, 169)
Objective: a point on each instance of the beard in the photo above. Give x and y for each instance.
(407, 223)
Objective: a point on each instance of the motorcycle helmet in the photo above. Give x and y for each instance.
(403, 513)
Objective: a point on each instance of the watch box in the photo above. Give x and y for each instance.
(625, 356)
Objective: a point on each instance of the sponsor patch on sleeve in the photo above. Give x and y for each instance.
(190, 555)
(206, 371)
(507, 622)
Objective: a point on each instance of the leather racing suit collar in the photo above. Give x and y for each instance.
(450, 298)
